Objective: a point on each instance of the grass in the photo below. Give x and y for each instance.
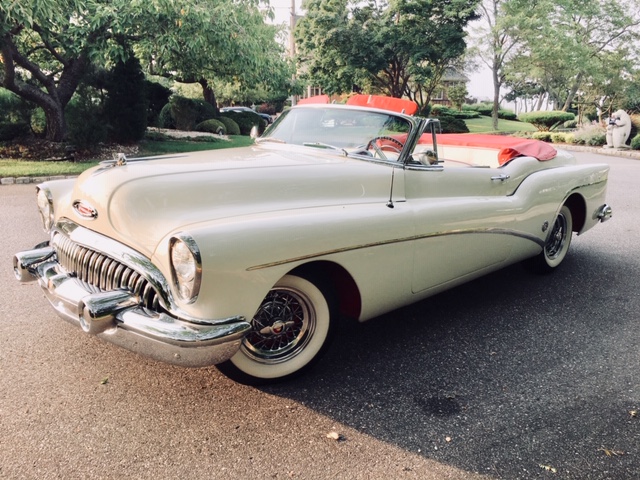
(483, 125)
(152, 145)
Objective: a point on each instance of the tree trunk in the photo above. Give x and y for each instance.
(496, 98)
(208, 93)
(56, 124)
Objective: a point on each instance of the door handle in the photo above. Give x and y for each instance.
(502, 177)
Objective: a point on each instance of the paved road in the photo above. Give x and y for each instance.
(513, 376)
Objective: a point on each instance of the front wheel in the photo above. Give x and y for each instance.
(291, 330)
(556, 246)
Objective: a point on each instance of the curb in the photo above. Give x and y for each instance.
(634, 154)
(27, 180)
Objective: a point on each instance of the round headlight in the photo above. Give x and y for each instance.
(186, 267)
(45, 206)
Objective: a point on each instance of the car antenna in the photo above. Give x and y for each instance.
(390, 202)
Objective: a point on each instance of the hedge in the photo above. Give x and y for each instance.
(546, 120)
(212, 126)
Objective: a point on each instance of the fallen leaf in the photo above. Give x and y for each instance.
(104, 381)
(549, 468)
(611, 453)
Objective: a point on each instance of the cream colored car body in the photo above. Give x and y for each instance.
(384, 234)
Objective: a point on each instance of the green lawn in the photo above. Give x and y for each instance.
(155, 145)
(483, 125)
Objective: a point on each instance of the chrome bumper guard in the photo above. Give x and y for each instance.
(117, 317)
(604, 213)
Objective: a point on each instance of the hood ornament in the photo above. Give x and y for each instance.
(120, 159)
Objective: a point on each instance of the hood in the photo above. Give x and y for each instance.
(142, 201)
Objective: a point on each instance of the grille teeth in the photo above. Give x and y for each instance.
(102, 272)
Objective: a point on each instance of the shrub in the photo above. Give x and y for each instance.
(165, 119)
(558, 137)
(11, 131)
(483, 109)
(157, 97)
(126, 104)
(452, 125)
(635, 142)
(212, 126)
(442, 111)
(246, 121)
(544, 136)
(185, 113)
(85, 121)
(594, 135)
(507, 115)
(230, 126)
(546, 120)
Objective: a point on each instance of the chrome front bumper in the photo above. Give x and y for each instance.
(117, 317)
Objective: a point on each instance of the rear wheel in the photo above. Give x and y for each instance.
(291, 330)
(556, 246)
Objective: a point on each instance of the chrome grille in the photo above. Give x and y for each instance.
(102, 272)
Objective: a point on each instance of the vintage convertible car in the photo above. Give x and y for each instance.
(246, 258)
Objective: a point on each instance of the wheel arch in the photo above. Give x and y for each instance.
(578, 207)
(344, 288)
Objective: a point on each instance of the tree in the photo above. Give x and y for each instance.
(47, 46)
(210, 41)
(572, 44)
(398, 48)
(497, 43)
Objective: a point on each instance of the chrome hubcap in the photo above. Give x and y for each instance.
(557, 238)
(282, 327)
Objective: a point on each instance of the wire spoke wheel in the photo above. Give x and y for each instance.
(291, 330)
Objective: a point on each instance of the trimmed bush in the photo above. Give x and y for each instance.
(185, 113)
(86, 125)
(544, 136)
(165, 119)
(635, 142)
(546, 120)
(212, 126)
(558, 137)
(442, 111)
(230, 126)
(452, 125)
(246, 121)
(157, 97)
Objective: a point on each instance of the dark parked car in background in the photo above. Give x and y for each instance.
(265, 116)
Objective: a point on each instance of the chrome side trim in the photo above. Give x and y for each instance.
(493, 231)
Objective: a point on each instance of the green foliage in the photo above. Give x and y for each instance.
(12, 131)
(230, 126)
(546, 120)
(157, 97)
(486, 109)
(212, 126)
(165, 119)
(85, 121)
(185, 113)
(457, 94)
(440, 110)
(125, 107)
(544, 136)
(395, 48)
(593, 135)
(557, 137)
(246, 121)
(635, 142)
(452, 125)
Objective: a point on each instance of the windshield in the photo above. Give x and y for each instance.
(346, 129)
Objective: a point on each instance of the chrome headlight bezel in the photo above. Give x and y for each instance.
(44, 201)
(186, 266)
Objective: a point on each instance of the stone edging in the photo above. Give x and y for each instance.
(635, 154)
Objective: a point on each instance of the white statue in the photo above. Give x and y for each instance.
(618, 129)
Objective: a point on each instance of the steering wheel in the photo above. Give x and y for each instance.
(373, 144)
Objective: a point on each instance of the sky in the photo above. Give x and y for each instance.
(480, 83)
